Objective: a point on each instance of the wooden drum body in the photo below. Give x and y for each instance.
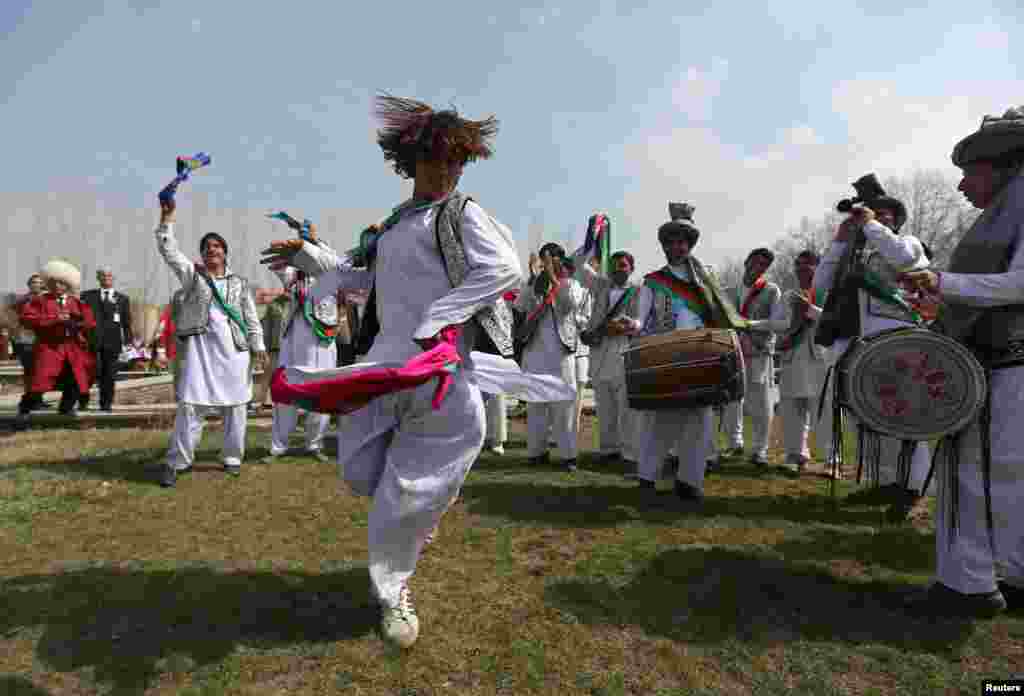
(684, 369)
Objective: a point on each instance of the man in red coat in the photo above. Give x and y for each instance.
(60, 320)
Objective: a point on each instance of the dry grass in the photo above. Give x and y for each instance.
(539, 583)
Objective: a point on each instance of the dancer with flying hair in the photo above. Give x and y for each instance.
(436, 268)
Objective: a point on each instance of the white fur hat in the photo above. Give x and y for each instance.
(56, 269)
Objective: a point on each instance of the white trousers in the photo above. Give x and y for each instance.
(286, 418)
(497, 418)
(618, 423)
(970, 566)
(188, 431)
(557, 418)
(757, 403)
(800, 416)
(412, 460)
(686, 430)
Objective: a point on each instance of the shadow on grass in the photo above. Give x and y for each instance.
(128, 624)
(145, 465)
(593, 505)
(902, 548)
(718, 595)
(19, 686)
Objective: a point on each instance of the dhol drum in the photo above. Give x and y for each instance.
(913, 384)
(684, 368)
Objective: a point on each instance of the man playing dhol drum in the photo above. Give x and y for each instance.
(983, 295)
(682, 295)
(870, 236)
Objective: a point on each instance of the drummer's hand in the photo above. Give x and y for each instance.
(926, 281)
(312, 233)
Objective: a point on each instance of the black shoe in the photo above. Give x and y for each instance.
(713, 466)
(168, 477)
(570, 465)
(235, 471)
(688, 493)
(910, 505)
(940, 600)
(1013, 595)
(542, 460)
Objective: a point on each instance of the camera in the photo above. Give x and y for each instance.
(868, 189)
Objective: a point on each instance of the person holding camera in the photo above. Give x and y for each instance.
(550, 299)
(868, 243)
(613, 320)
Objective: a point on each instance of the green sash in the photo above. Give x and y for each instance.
(232, 313)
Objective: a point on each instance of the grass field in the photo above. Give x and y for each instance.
(540, 582)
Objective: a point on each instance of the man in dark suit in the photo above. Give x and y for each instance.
(113, 331)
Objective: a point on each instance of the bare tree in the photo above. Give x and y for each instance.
(937, 213)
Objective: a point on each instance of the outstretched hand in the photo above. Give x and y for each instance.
(279, 254)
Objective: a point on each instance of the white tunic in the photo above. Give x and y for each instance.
(546, 354)
(803, 369)
(300, 346)
(214, 372)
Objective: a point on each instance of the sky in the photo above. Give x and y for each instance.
(758, 114)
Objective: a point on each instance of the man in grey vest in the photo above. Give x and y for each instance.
(307, 340)
(758, 300)
(222, 342)
(551, 299)
(983, 293)
(613, 320)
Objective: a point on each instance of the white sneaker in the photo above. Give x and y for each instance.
(496, 449)
(400, 624)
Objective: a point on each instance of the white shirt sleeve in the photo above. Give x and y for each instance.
(987, 289)
(777, 321)
(167, 245)
(493, 269)
(333, 273)
(903, 252)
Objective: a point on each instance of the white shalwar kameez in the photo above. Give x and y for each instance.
(214, 376)
(801, 376)
(902, 252)
(300, 348)
(756, 401)
(620, 425)
(688, 429)
(411, 459)
(546, 355)
(969, 566)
